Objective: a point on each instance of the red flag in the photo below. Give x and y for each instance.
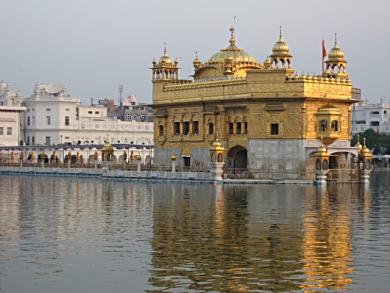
(323, 50)
(323, 57)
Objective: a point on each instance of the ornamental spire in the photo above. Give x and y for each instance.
(232, 40)
(280, 32)
(335, 40)
(165, 49)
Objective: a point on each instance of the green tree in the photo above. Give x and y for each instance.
(379, 143)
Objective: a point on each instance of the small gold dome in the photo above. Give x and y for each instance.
(358, 145)
(165, 59)
(322, 149)
(280, 48)
(336, 54)
(217, 146)
(197, 63)
(365, 152)
(232, 51)
(267, 62)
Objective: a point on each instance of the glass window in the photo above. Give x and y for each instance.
(195, 127)
(96, 112)
(238, 130)
(1, 130)
(48, 109)
(48, 140)
(28, 120)
(161, 130)
(187, 161)
(230, 128)
(48, 120)
(33, 140)
(28, 140)
(274, 128)
(67, 120)
(176, 127)
(323, 125)
(9, 130)
(89, 112)
(186, 128)
(211, 128)
(335, 125)
(245, 127)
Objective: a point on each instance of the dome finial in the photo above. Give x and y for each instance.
(280, 32)
(232, 40)
(165, 49)
(335, 39)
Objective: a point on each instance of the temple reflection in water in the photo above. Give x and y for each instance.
(244, 238)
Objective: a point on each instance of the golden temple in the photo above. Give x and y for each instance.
(269, 119)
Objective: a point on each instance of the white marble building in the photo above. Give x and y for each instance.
(10, 116)
(371, 115)
(54, 117)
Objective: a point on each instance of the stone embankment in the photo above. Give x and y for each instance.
(117, 174)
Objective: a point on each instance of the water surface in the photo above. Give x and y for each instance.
(85, 235)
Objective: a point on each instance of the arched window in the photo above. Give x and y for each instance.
(335, 125)
(176, 128)
(211, 128)
(323, 125)
(238, 130)
(161, 130)
(230, 128)
(195, 127)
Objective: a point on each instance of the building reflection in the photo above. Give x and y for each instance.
(224, 238)
(326, 243)
(243, 238)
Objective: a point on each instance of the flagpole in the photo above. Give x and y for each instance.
(322, 57)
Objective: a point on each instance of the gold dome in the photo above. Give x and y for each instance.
(321, 151)
(268, 62)
(336, 54)
(365, 152)
(358, 145)
(217, 146)
(165, 59)
(197, 62)
(281, 48)
(232, 51)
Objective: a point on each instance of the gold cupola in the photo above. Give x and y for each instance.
(267, 62)
(165, 69)
(197, 63)
(336, 63)
(358, 145)
(281, 53)
(230, 61)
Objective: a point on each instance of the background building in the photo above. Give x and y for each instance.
(10, 115)
(371, 115)
(55, 117)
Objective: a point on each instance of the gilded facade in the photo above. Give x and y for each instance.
(269, 119)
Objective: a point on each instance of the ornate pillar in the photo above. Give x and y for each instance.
(173, 163)
(217, 160)
(322, 165)
(365, 165)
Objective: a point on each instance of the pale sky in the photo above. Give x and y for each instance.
(92, 46)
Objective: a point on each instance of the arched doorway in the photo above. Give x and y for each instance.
(237, 157)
